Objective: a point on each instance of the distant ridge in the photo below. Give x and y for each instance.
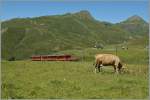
(135, 17)
(135, 25)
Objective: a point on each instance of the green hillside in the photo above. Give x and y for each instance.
(23, 37)
(138, 29)
(135, 25)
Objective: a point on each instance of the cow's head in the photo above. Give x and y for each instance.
(124, 69)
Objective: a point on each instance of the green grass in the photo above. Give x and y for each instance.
(30, 79)
(26, 79)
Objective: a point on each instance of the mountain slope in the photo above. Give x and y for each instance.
(23, 37)
(135, 25)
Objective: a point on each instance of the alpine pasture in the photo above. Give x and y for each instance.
(61, 80)
(75, 34)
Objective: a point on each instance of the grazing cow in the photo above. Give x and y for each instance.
(106, 60)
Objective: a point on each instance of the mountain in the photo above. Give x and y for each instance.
(24, 37)
(84, 15)
(135, 25)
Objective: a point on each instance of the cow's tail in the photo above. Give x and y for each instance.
(95, 65)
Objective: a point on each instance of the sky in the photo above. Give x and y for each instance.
(104, 10)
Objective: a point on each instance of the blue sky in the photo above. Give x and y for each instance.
(111, 11)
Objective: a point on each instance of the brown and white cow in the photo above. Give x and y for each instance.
(107, 60)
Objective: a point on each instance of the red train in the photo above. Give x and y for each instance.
(54, 58)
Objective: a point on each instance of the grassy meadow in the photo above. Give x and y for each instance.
(61, 80)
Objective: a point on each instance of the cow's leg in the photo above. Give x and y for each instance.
(100, 67)
(96, 67)
(119, 69)
(114, 68)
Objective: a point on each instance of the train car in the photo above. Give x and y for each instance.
(54, 58)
